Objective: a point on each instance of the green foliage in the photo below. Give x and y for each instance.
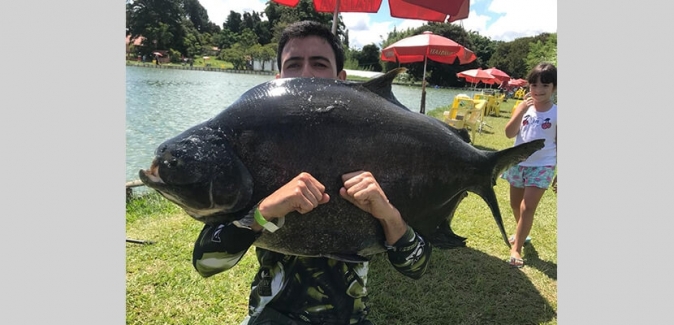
(160, 21)
(368, 58)
(248, 39)
(233, 22)
(263, 53)
(235, 55)
(198, 16)
(542, 51)
(225, 39)
(511, 57)
(350, 62)
(175, 56)
(482, 46)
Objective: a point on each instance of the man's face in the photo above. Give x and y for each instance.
(310, 56)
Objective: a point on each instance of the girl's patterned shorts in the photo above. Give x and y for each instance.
(521, 176)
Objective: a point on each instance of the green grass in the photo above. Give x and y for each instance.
(471, 285)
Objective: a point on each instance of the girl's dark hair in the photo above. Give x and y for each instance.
(546, 71)
(306, 28)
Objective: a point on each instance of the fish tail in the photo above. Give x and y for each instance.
(504, 159)
(498, 162)
(489, 196)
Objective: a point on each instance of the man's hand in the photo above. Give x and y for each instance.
(302, 194)
(361, 189)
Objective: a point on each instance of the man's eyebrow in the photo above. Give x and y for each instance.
(300, 58)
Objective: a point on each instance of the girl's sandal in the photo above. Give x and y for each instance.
(516, 262)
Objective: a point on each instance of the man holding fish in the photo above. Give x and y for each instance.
(310, 290)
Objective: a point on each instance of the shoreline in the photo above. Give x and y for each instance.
(197, 68)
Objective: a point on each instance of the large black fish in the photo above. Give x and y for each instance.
(218, 170)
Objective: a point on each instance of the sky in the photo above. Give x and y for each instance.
(503, 20)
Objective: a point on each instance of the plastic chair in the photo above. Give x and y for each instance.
(462, 101)
(490, 108)
(474, 121)
(460, 108)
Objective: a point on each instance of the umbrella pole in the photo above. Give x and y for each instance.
(334, 18)
(423, 89)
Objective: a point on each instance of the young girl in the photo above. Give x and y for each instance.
(534, 118)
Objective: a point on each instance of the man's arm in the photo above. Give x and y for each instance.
(219, 247)
(407, 251)
(410, 254)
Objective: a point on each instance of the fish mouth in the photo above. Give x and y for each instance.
(152, 174)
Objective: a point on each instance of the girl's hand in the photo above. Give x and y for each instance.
(528, 100)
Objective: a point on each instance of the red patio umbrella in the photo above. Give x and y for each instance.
(477, 75)
(498, 74)
(457, 10)
(409, 9)
(517, 83)
(426, 46)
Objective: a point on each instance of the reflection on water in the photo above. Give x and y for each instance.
(161, 103)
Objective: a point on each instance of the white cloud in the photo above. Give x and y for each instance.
(503, 19)
(514, 19)
(363, 31)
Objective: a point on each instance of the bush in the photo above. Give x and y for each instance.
(176, 56)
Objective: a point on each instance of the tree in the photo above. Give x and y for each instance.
(225, 39)
(235, 55)
(542, 51)
(483, 47)
(263, 53)
(196, 13)
(159, 21)
(512, 56)
(233, 22)
(369, 58)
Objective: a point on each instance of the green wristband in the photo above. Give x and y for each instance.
(270, 226)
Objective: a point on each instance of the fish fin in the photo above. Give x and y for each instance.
(347, 258)
(382, 86)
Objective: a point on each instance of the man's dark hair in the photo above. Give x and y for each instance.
(302, 29)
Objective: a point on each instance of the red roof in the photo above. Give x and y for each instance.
(136, 41)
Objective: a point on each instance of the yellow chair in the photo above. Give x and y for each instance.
(455, 117)
(462, 100)
(474, 121)
(479, 96)
(497, 105)
(490, 108)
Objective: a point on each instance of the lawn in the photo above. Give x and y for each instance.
(471, 285)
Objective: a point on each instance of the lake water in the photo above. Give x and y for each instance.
(161, 103)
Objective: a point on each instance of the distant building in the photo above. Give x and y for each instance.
(138, 41)
(268, 65)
